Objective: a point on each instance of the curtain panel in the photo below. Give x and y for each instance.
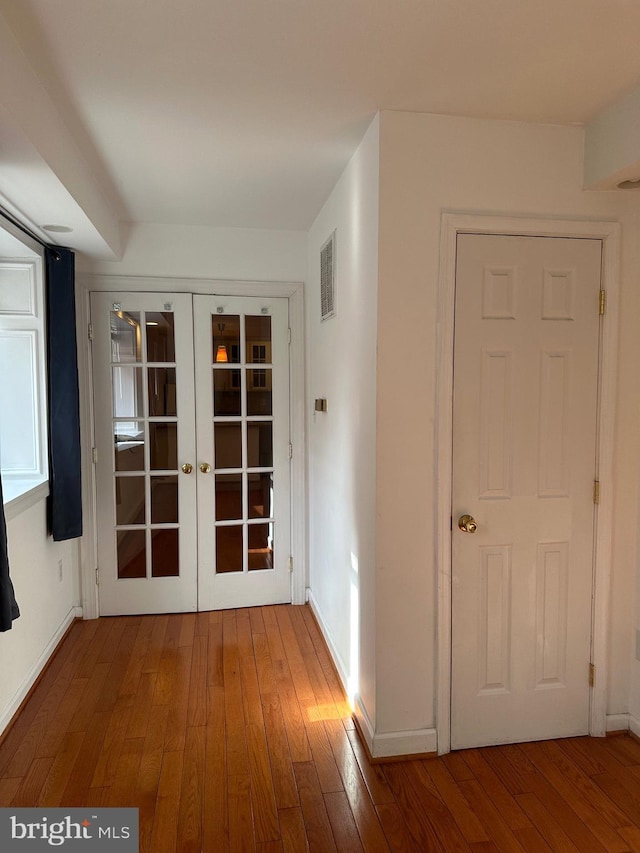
(65, 486)
(9, 609)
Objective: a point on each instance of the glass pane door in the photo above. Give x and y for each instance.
(146, 498)
(243, 434)
(182, 530)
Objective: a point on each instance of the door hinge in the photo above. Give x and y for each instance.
(290, 451)
(94, 455)
(90, 331)
(596, 491)
(602, 302)
(290, 564)
(289, 334)
(97, 577)
(592, 674)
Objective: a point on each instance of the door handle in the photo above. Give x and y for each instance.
(187, 468)
(467, 524)
(205, 467)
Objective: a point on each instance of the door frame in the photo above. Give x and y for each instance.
(293, 291)
(453, 224)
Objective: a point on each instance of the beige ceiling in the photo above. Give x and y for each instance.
(244, 112)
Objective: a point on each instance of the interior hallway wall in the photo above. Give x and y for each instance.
(341, 367)
(200, 251)
(47, 603)
(431, 164)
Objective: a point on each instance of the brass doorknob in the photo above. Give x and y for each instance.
(205, 467)
(187, 468)
(467, 524)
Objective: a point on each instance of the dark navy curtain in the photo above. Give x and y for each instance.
(65, 486)
(8, 606)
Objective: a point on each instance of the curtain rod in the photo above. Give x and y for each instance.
(17, 224)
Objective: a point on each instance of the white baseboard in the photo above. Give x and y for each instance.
(623, 723)
(380, 745)
(337, 659)
(415, 742)
(364, 723)
(617, 722)
(30, 678)
(391, 744)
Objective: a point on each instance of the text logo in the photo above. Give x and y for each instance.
(69, 829)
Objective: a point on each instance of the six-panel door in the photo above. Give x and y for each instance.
(525, 399)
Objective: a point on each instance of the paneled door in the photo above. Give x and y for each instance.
(192, 440)
(525, 415)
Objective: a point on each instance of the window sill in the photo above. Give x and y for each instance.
(19, 495)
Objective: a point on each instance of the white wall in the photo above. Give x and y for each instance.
(611, 144)
(46, 603)
(341, 367)
(179, 251)
(634, 700)
(430, 164)
(611, 155)
(47, 176)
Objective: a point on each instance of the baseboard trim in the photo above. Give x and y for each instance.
(622, 724)
(363, 725)
(409, 745)
(390, 746)
(393, 746)
(617, 723)
(11, 711)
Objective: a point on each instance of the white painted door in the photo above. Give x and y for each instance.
(145, 432)
(525, 401)
(193, 489)
(242, 377)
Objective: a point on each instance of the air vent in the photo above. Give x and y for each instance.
(328, 278)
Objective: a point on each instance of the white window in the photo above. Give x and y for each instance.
(23, 425)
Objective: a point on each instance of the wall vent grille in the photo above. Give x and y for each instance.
(328, 278)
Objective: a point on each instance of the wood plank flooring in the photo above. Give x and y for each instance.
(230, 731)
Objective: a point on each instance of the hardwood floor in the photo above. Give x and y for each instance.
(230, 731)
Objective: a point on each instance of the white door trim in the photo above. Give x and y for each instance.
(294, 292)
(453, 224)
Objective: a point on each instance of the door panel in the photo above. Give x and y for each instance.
(193, 491)
(242, 378)
(145, 432)
(525, 399)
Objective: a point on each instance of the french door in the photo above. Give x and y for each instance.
(191, 398)
(242, 426)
